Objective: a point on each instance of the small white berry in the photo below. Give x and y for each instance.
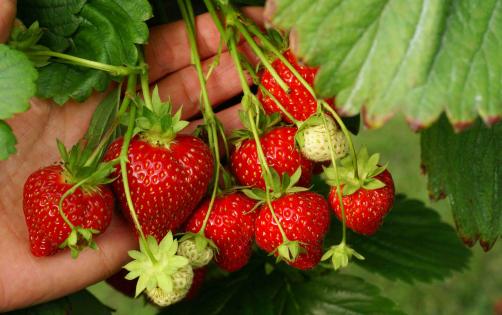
(182, 281)
(197, 258)
(316, 142)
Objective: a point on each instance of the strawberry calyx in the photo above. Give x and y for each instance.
(364, 177)
(262, 122)
(79, 239)
(197, 248)
(159, 272)
(340, 255)
(155, 124)
(288, 251)
(280, 186)
(83, 170)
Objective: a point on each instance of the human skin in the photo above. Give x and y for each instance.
(25, 279)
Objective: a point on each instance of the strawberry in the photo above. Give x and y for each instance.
(87, 204)
(230, 227)
(318, 135)
(168, 174)
(198, 280)
(304, 217)
(366, 199)
(300, 103)
(279, 148)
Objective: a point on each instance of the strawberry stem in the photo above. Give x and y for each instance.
(131, 88)
(145, 84)
(206, 107)
(65, 58)
(346, 134)
(256, 49)
(278, 104)
(338, 186)
(267, 175)
(123, 168)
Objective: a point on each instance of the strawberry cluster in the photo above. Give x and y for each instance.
(167, 183)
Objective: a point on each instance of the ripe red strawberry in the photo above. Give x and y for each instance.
(279, 148)
(367, 197)
(87, 208)
(166, 183)
(230, 227)
(365, 208)
(198, 280)
(310, 258)
(304, 216)
(299, 102)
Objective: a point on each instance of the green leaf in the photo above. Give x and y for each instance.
(412, 245)
(252, 291)
(17, 82)
(467, 168)
(419, 57)
(7, 141)
(100, 30)
(80, 303)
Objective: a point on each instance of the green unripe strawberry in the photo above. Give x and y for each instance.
(197, 257)
(314, 139)
(181, 281)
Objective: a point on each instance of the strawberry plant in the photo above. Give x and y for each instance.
(268, 207)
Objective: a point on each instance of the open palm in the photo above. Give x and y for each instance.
(25, 279)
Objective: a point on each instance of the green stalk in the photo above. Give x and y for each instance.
(131, 88)
(113, 70)
(346, 133)
(207, 110)
(125, 180)
(145, 84)
(338, 186)
(64, 196)
(267, 175)
(259, 53)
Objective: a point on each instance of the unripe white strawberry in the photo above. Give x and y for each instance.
(181, 280)
(315, 144)
(198, 258)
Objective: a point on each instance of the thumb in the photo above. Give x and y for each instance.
(7, 15)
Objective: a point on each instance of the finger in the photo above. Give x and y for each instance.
(229, 118)
(183, 88)
(60, 275)
(7, 15)
(168, 49)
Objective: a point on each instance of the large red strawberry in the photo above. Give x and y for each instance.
(89, 209)
(304, 217)
(230, 227)
(279, 148)
(367, 198)
(299, 102)
(168, 173)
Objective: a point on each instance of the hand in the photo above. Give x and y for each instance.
(26, 279)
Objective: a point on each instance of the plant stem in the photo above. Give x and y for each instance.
(338, 186)
(206, 108)
(145, 84)
(346, 134)
(131, 87)
(113, 70)
(64, 196)
(123, 168)
(259, 53)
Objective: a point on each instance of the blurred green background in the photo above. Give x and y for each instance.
(473, 292)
